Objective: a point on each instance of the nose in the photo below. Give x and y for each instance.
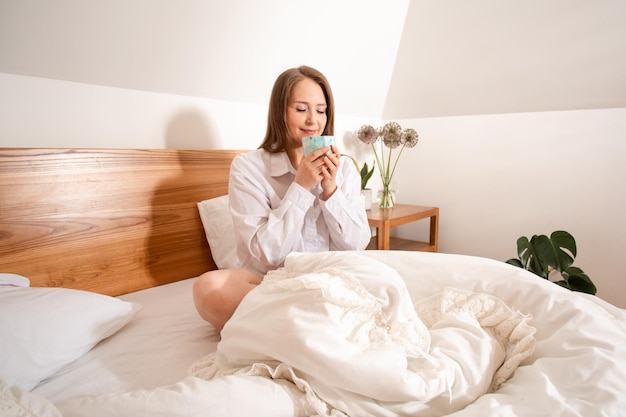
(310, 118)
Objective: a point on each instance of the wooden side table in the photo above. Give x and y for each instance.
(383, 219)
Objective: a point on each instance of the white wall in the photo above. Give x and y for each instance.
(498, 177)
(41, 112)
(494, 177)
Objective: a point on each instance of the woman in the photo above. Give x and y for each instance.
(283, 202)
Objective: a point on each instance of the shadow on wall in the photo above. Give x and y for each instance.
(174, 200)
(191, 129)
(358, 150)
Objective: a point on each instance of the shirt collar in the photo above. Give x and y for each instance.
(280, 164)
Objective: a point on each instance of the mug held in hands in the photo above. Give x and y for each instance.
(313, 143)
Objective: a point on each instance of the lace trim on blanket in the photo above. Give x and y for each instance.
(206, 368)
(509, 326)
(363, 313)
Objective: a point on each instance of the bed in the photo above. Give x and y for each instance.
(99, 249)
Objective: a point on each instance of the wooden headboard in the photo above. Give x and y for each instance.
(107, 220)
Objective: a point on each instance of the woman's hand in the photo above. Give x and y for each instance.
(329, 172)
(319, 166)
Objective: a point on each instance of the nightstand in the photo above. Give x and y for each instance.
(383, 219)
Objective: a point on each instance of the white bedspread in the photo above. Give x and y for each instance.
(395, 367)
(345, 331)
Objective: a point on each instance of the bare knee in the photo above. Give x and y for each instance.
(217, 293)
(207, 296)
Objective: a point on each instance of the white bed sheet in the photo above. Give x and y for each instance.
(578, 367)
(156, 348)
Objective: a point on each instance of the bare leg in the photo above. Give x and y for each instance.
(217, 293)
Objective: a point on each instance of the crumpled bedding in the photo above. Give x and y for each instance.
(350, 336)
(577, 368)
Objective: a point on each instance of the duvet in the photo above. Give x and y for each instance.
(388, 333)
(349, 336)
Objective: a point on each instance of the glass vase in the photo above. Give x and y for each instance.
(387, 196)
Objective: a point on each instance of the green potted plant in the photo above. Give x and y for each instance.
(366, 173)
(543, 255)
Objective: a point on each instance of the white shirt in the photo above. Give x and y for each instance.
(273, 216)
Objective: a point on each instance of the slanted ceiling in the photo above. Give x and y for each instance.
(386, 59)
(509, 56)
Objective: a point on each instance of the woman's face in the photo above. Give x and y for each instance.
(306, 112)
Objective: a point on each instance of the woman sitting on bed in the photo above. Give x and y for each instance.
(283, 202)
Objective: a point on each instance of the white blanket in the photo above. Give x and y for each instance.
(346, 332)
(578, 367)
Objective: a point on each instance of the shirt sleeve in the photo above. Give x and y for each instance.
(344, 212)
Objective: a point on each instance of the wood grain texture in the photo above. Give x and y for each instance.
(107, 220)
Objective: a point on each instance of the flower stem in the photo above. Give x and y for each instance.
(396, 162)
(380, 166)
(387, 177)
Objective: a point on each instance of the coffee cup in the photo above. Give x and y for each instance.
(313, 143)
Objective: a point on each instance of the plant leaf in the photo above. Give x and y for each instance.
(545, 254)
(523, 250)
(515, 262)
(542, 254)
(364, 170)
(563, 240)
(563, 284)
(531, 255)
(555, 251)
(577, 280)
(366, 174)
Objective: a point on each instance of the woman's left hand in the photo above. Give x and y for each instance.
(329, 172)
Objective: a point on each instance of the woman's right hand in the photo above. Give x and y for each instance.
(311, 169)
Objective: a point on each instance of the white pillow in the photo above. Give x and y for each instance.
(43, 329)
(14, 280)
(220, 232)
